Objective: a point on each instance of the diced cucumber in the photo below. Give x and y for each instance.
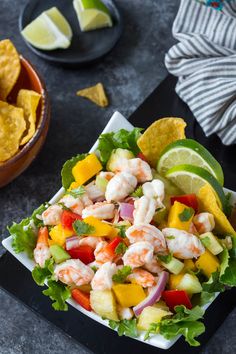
(101, 183)
(160, 215)
(211, 243)
(174, 266)
(190, 283)
(59, 254)
(150, 314)
(115, 156)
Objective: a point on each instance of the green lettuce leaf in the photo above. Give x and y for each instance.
(214, 284)
(125, 327)
(206, 297)
(123, 139)
(37, 212)
(228, 265)
(24, 237)
(66, 172)
(58, 293)
(40, 275)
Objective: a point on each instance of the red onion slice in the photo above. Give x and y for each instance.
(126, 211)
(154, 295)
(72, 242)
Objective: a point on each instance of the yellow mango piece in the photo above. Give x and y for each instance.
(101, 228)
(207, 263)
(176, 213)
(174, 280)
(58, 235)
(189, 265)
(74, 185)
(86, 169)
(128, 295)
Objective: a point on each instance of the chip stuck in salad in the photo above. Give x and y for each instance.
(144, 247)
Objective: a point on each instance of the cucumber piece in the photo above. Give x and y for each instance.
(115, 156)
(59, 254)
(211, 243)
(101, 183)
(160, 216)
(174, 266)
(190, 284)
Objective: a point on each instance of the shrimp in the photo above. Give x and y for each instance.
(73, 272)
(141, 277)
(76, 204)
(125, 313)
(136, 167)
(94, 193)
(52, 215)
(138, 254)
(154, 266)
(42, 251)
(107, 175)
(102, 254)
(146, 232)
(100, 210)
(204, 222)
(154, 189)
(102, 279)
(144, 210)
(182, 244)
(120, 186)
(91, 241)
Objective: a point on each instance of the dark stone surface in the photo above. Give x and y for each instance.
(133, 69)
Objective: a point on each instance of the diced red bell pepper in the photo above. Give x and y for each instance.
(84, 253)
(174, 298)
(68, 217)
(110, 248)
(188, 199)
(141, 156)
(82, 298)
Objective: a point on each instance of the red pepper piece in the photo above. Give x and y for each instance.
(84, 253)
(68, 217)
(174, 298)
(141, 156)
(188, 199)
(82, 298)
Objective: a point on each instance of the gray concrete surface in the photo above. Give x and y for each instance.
(130, 73)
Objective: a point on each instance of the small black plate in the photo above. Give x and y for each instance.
(86, 47)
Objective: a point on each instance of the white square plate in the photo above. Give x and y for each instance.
(116, 122)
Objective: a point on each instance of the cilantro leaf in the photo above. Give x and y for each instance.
(82, 228)
(186, 214)
(41, 274)
(122, 139)
(138, 193)
(59, 293)
(24, 237)
(122, 274)
(66, 172)
(120, 248)
(125, 327)
(228, 265)
(213, 285)
(122, 229)
(165, 259)
(77, 192)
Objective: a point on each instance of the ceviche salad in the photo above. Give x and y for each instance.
(143, 235)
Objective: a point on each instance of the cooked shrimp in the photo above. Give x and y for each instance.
(125, 313)
(154, 189)
(120, 186)
(144, 210)
(192, 229)
(107, 175)
(73, 272)
(136, 167)
(204, 222)
(94, 193)
(182, 244)
(76, 204)
(91, 241)
(42, 251)
(100, 210)
(154, 266)
(102, 279)
(138, 254)
(101, 253)
(141, 277)
(52, 215)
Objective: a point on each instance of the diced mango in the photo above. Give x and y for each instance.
(128, 295)
(74, 185)
(59, 234)
(174, 281)
(207, 263)
(180, 216)
(86, 168)
(189, 265)
(101, 228)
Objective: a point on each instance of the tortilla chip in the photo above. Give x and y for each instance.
(208, 203)
(9, 67)
(95, 94)
(12, 126)
(28, 100)
(160, 134)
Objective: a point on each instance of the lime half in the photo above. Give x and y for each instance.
(92, 14)
(48, 31)
(188, 151)
(191, 178)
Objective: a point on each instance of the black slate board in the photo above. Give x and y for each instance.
(17, 281)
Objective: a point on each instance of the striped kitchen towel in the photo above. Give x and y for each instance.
(204, 60)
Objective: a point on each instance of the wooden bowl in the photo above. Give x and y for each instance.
(28, 79)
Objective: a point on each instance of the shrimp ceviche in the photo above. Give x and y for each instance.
(143, 234)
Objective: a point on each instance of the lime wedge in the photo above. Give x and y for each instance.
(191, 178)
(48, 31)
(188, 151)
(92, 14)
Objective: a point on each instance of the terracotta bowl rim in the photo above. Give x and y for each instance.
(44, 117)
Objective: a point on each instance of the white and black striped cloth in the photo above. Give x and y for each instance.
(204, 60)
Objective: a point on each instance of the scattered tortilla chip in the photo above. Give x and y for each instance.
(160, 134)
(208, 203)
(9, 67)
(28, 100)
(95, 94)
(12, 126)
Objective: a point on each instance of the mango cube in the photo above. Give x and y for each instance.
(101, 228)
(180, 216)
(207, 263)
(59, 234)
(86, 169)
(128, 295)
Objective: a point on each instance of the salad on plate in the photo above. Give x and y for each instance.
(142, 235)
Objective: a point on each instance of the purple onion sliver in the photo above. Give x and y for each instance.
(72, 242)
(126, 211)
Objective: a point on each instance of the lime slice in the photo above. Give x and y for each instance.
(191, 178)
(92, 14)
(48, 31)
(188, 151)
